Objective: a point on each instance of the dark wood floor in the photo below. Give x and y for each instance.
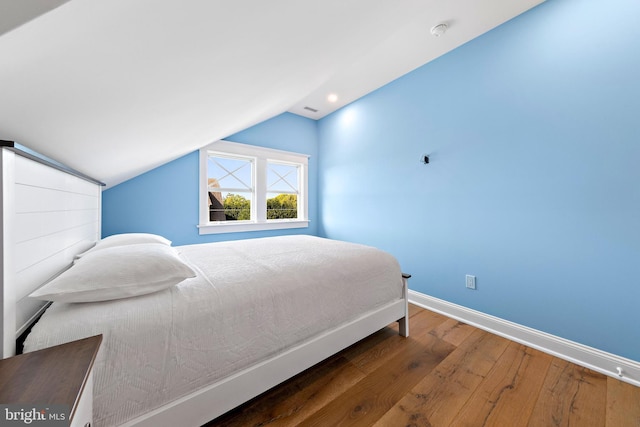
(445, 374)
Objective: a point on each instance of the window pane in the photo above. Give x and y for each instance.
(282, 206)
(282, 178)
(282, 191)
(229, 188)
(230, 173)
(227, 206)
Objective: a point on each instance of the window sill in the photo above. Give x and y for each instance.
(242, 226)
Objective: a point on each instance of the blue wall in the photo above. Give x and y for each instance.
(534, 182)
(165, 200)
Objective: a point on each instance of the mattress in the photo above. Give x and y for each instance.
(250, 300)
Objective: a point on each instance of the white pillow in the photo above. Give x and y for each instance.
(126, 239)
(117, 272)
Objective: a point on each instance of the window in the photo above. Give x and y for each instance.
(247, 188)
(229, 187)
(282, 190)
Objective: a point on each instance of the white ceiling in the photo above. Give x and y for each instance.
(14, 13)
(115, 88)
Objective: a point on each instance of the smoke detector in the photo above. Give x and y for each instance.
(439, 29)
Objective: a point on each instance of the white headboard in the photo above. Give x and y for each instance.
(48, 214)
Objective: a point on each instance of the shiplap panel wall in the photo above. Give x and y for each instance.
(53, 217)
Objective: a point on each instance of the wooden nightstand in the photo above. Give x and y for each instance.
(56, 375)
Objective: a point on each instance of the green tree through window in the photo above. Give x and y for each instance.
(237, 208)
(283, 206)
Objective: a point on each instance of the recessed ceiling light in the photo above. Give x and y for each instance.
(332, 97)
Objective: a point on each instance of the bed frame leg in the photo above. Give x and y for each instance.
(403, 323)
(404, 326)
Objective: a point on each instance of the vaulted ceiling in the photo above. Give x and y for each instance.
(114, 88)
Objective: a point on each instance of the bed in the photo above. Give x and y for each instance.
(253, 313)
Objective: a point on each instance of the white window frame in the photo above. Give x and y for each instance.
(260, 156)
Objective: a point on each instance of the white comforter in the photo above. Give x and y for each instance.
(250, 300)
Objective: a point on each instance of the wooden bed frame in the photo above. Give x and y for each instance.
(49, 213)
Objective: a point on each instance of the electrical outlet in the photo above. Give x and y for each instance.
(471, 281)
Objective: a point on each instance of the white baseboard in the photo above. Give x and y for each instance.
(589, 357)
